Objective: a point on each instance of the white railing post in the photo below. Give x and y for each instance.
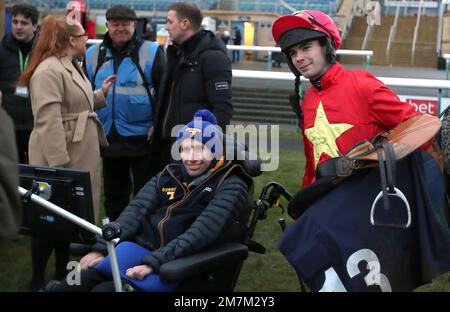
(392, 31)
(368, 34)
(391, 82)
(416, 31)
(447, 63)
(440, 25)
(363, 53)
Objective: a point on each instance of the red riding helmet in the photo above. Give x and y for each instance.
(305, 25)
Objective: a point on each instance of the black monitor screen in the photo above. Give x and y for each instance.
(70, 190)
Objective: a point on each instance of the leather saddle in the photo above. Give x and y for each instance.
(383, 151)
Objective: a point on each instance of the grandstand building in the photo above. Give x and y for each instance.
(401, 33)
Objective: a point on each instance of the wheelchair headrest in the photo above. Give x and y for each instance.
(239, 152)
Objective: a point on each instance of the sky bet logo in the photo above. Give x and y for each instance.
(49, 219)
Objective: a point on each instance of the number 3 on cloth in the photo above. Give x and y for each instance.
(374, 277)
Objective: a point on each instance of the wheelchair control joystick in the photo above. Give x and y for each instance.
(111, 231)
(41, 189)
(282, 223)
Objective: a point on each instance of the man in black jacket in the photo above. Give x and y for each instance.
(182, 210)
(10, 208)
(198, 76)
(15, 50)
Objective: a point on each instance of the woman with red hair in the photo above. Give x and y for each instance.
(66, 131)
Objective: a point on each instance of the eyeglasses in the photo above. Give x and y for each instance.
(313, 20)
(82, 35)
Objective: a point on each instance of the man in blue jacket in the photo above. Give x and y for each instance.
(128, 117)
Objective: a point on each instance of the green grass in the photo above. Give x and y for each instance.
(283, 135)
(15, 265)
(267, 272)
(271, 271)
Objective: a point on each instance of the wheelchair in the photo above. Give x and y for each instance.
(218, 268)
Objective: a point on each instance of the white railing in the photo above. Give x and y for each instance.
(392, 31)
(367, 36)
(253, 48)
(277, 49)
(440, 25)
(416, 31)
(366, 53)
(94, 41)
(272, 49)
(447, 64)
(389, 81)
(440, 85)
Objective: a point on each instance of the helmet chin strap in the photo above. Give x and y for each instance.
(321, 73)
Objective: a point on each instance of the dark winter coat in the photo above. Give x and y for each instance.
(10, 207)
(198, 76)
(19, 108)
(175, 219)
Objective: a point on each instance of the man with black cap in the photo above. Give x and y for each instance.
(128, 118)
(342, 107)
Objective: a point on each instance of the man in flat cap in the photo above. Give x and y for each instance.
(128, 117)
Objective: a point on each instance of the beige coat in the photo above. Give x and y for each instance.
(66, 130)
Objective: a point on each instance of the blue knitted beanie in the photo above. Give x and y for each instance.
(203, 128)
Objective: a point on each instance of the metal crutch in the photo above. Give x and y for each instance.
(84, 224)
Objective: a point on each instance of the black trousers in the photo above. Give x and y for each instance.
(22, 138)
(121, 177)
(161, 155)
(41, 249)
(90, 280)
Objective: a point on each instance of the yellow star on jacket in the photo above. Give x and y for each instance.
(323, 135)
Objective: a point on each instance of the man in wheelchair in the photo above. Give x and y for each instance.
(184, 209)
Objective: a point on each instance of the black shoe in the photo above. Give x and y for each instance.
(126, 287)
(51, 286)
